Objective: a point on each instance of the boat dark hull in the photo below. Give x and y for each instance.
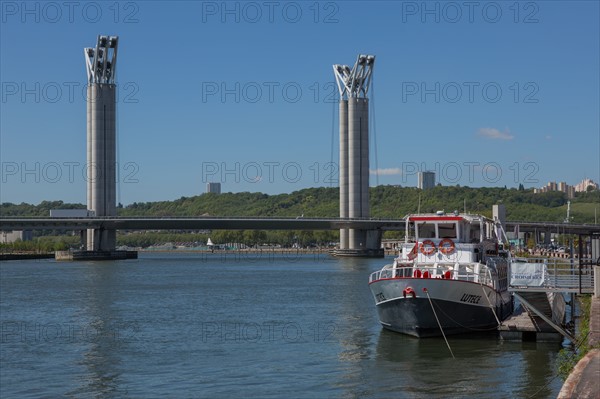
(415, 317)
(413, 314)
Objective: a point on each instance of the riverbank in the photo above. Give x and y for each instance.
(279, 251)
(582, 383)
(246, 251)
(26, 256)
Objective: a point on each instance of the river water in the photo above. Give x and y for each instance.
(223, 325)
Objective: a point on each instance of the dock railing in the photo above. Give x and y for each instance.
(547, 275)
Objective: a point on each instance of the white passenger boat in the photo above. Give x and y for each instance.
(451, 274)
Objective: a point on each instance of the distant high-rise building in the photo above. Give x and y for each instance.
(585, 183)
(214, 188)
(562, 186)
(426, 180)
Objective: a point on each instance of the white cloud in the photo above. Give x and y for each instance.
(386, 171)
(495, 134)
(255, 179)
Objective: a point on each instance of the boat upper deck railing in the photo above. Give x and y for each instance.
(434, 251)
(447, 271)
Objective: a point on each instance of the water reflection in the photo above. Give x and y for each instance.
(105, 333)
(357, 327)
(485, 366)
(539, 379)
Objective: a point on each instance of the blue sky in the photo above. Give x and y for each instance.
(485, 93)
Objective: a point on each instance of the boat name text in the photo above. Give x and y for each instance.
(470, 298)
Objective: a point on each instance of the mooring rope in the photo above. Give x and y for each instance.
(491, 306)
(438, 321)
(463, 326)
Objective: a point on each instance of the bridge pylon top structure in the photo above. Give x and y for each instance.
(101, 61)
(355, 82)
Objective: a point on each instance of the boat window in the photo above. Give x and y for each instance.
(447, 230)
(464, 230)
(475, 233)
(426, 230)
(410, 232)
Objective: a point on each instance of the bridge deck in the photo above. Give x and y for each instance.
(199, 223)
(249, 223)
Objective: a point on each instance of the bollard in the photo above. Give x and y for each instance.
(597, 281)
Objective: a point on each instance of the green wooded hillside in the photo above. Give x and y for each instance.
(386, 201)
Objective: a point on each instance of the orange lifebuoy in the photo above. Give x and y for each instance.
(447, 246)
(427, 247)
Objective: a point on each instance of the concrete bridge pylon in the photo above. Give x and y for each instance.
(353, 85)
(101, 63)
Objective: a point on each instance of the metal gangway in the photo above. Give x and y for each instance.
(533, 280)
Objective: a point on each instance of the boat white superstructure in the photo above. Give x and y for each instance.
(451, 274)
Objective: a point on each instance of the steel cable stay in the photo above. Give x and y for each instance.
(374, 129)
(333, 114)
(118, 148)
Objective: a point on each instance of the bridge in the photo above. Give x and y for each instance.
(562, 228)
(199, 223)
(255, 223)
